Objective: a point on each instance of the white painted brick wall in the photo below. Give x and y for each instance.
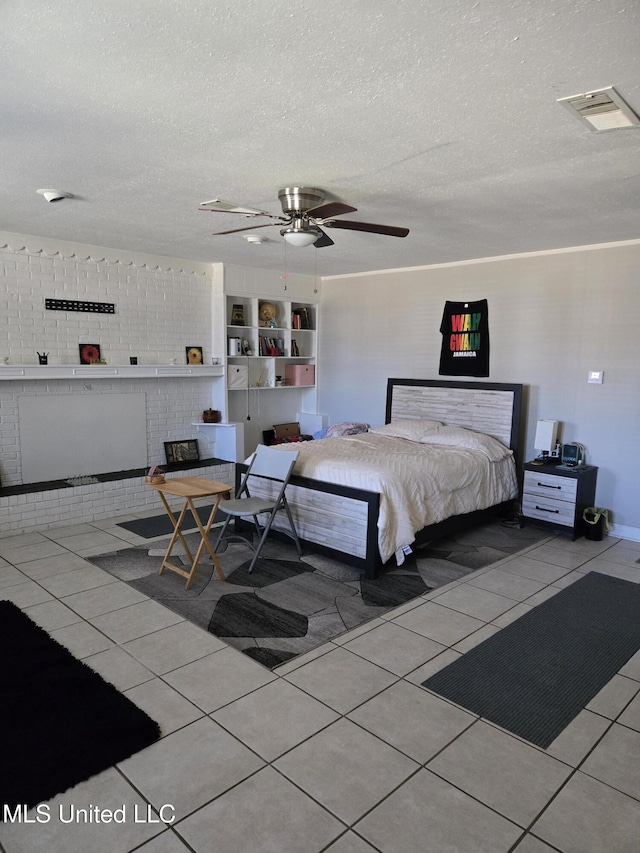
(159, 313)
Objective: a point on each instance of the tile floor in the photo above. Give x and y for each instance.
(340, 750)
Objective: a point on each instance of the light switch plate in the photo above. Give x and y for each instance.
(596, 377)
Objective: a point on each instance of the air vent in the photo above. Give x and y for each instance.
(602, 109)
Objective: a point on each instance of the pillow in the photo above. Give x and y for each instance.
(410, 428)
(346, 428)
(468, 439)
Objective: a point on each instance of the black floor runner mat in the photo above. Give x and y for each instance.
(535, 675)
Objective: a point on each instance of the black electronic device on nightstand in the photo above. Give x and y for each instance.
(557, 496)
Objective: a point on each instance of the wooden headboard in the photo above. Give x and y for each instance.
(489, 407)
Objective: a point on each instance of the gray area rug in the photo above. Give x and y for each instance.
(290, 605)
(534, 676)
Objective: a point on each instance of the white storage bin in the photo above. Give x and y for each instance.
(237, 376)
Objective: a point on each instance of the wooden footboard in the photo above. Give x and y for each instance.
(338, 521)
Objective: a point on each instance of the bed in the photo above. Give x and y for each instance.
(372, 515)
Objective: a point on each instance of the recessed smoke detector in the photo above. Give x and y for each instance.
(602, 109)
(254, 238)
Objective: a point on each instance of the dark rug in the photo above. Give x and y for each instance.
(290, 605)
(534, 676)
(60, 722)
(160, 525)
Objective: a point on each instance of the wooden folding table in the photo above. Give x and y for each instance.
(190, 488)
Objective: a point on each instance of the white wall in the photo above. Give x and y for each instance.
(552, 318)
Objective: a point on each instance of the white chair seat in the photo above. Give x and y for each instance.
(247, 506)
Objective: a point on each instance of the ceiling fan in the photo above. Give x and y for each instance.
(304, 218)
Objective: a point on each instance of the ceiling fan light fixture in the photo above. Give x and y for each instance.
(300, 237)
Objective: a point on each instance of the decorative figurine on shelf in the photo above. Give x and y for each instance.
(211, 416)
(43, 358)
(267, 315)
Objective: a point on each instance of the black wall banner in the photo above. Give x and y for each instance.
(465, 339)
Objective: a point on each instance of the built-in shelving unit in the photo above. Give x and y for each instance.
(262, 357)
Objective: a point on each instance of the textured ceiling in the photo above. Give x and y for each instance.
(440, 116)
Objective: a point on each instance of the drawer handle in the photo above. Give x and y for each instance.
(549, 486)
(545, 509)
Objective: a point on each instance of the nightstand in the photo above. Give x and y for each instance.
(558, 496)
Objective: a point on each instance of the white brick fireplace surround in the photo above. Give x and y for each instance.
(162, 306)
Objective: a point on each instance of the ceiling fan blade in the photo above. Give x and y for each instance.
(217, 205)
(330, 209)
(248, 228)
(352, 225)
(323, 240)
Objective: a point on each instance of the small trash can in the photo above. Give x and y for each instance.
(596, 523)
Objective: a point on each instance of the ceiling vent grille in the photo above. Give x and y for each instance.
(602, 109)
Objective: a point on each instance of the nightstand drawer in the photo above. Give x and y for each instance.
(550, 486)
(549, 509)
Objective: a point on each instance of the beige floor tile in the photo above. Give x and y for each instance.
(164, 704)
(10, 576)
(614, 697)
(631, 715)
(82, 639)
(107, 790)
(79, 580)
(341, 679)
(103, 599)
(275, 718)
(579, 738)
(191, 766)
(350, 843)
(219, 678)
(174, 646)
(412, 720)
(26, 594)
(616, 760)
(475, 602)
(588, 816)
(346, 769)
(119, 668)
(441, 624)
(48, 566)
(506, 583)
(394, 648)
(135, 621)
(427, 813)
(435, 665)
(507, 774)
(166, 842)
(265, 812)
(615, 570)
(51, 615)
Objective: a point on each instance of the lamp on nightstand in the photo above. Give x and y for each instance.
(545, 440)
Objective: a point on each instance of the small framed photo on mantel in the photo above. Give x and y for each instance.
(194, 355)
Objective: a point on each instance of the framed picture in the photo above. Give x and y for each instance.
(89, 353)
(237, 315)
(194, 355)
(182, 451)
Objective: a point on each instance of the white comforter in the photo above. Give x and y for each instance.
(448, 472)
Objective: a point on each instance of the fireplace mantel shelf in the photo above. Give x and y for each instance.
(27, 372)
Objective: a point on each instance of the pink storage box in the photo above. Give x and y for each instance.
(300, 374)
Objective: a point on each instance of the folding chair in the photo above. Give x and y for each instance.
(268, 464)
